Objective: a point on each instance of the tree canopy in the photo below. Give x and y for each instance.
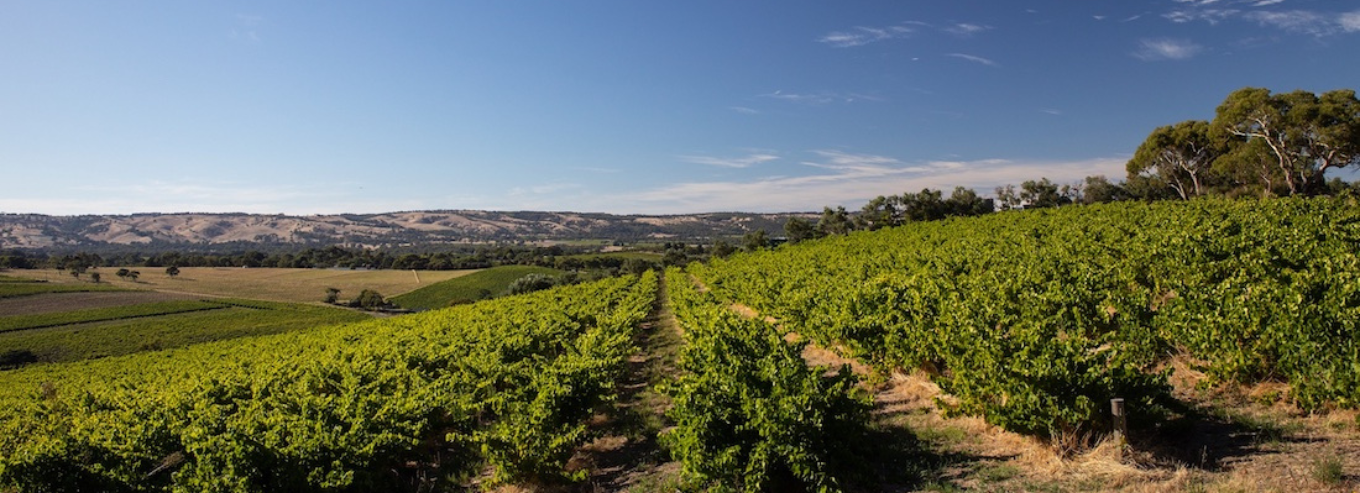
(1282, 144)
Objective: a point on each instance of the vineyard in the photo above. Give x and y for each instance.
(412, 400)
(1027, 321)
(66, 336)
(1035, 320)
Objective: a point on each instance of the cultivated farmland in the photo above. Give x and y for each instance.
(270, 284)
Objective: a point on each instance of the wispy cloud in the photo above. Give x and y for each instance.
(1301, 21)
(731, 162)
(816, 98)
(745, 111)
(809, 98)
(1212, 16)
(861, 35)
(1311, 22)
(849, 179)
(974, 59)
(966, 29)
(1350, 21)
(1166, 49)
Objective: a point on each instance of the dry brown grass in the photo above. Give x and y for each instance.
(270, 284)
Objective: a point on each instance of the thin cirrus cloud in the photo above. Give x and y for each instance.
(1301, 21)
(974, 59)
(844, 178)
(731, 162)
(863, 35)
(815, 98)
(1152, 50)
(807, 98)
(966, 29)
(1308, 22)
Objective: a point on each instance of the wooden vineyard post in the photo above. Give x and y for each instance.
(1121, 422)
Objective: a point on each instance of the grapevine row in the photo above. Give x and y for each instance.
(749, 414)
(1034, 319)
(506, 385)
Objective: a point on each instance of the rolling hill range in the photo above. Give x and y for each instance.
(397, 228)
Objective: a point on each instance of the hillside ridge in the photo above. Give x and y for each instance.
(37, 231)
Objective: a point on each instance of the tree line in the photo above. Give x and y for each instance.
(1258, 144)
(329, 257)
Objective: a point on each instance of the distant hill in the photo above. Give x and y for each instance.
(187, 230)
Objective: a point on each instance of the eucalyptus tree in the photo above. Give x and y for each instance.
(1182, 156)
(1301, 133)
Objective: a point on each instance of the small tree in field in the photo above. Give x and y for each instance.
(332, 295)
(133, 275)
(370, 300)
(94, 276)
(172, 271)
(122, 273)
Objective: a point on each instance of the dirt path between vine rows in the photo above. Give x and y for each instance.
(627, 456)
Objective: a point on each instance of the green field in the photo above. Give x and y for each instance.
(46, 317)
(20, 288)
(38, 321)
(99, 333)
(483, 284)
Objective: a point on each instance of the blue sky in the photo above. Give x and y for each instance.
(614, 106)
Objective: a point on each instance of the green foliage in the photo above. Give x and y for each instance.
(1329, 471)
(508, 386)
(18, 322)
(369, 299)
(332, 296)
(798, 229)
(100, 333)
(12, 279)
(1034, 320)
(749, 414)
(530, 283)
(472, 287)
(17, 289)
(1181, 156)
(755, 240)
